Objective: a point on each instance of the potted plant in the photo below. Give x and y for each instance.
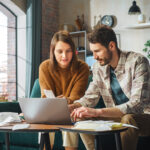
(147, 48)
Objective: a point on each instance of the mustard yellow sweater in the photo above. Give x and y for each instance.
(63, 82)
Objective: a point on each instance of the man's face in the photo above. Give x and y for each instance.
(101, 53)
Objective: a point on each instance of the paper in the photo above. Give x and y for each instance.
(8, 117)
(99, 125)
(49, 93)
(20, 126)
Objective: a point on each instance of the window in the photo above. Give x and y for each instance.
(8, 67)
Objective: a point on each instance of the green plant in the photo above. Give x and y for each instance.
(147, 48)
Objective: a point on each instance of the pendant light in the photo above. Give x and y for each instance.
(134, 9)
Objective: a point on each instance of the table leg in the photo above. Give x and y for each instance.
(118, 141)
(42, 142)
(7, 140)
(98, 144)
(47, 141)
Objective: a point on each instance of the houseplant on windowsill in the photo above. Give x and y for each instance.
(147, 48)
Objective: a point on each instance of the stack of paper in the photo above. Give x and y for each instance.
(8, 117)
(99, 125)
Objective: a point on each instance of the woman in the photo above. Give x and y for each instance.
(63, 73)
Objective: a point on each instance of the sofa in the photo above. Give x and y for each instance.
(29, 141)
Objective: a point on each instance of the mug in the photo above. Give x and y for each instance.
(141, 18)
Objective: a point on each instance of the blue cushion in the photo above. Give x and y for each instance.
(36, 91)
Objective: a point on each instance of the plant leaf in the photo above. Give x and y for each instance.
(145, 49)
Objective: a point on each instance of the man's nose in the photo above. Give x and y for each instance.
(95, 56)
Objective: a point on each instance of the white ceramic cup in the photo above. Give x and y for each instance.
(141, 18)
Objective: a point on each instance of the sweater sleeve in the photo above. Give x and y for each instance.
(44, 78)
(80, 84)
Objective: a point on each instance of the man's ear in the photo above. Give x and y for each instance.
(112, 45)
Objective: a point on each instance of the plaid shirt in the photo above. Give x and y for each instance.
(133, 75)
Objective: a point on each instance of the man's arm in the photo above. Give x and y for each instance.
(139, 98)
(92, 95)
(85, 112)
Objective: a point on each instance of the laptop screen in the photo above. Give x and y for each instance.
(45, 110)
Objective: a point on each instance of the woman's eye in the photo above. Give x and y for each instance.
(59, 51)
(69, 50)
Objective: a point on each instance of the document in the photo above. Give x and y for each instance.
(49, 93)
(99, 125)
(8, 117)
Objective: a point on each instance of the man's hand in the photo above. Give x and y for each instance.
(73, 106)
(84, 112)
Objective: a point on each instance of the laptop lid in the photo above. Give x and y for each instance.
(45, 110)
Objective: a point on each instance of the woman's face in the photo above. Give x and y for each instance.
(63, 54)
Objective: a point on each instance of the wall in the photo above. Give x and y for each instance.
(21, 4)
(130, 39)
(49, 24)
(70, 9)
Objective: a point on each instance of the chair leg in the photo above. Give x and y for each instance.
(7, 140)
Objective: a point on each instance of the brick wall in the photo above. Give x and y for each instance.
(49, 24)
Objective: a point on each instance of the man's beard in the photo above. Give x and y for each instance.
(106, 60)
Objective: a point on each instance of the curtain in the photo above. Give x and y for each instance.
(33, 52)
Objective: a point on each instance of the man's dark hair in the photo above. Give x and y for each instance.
(103, 35)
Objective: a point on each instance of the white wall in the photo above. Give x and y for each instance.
(131, 39)
(70, 9)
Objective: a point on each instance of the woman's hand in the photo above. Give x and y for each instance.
(21, 116)
(61, 96)
(68, 100)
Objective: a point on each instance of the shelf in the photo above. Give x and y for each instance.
(138, 26)
(78, 33)
(81, 51)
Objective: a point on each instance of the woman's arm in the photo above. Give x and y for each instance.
(45, 80)
(80, 85)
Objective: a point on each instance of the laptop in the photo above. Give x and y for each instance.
(45, 110)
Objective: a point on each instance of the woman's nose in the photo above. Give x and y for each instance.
(64, 55)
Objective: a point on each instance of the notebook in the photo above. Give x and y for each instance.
(45, 110)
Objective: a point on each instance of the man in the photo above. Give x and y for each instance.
(122, 79)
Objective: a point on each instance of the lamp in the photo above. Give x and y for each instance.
(134, 9)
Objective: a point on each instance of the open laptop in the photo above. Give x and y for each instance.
(45, 110)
